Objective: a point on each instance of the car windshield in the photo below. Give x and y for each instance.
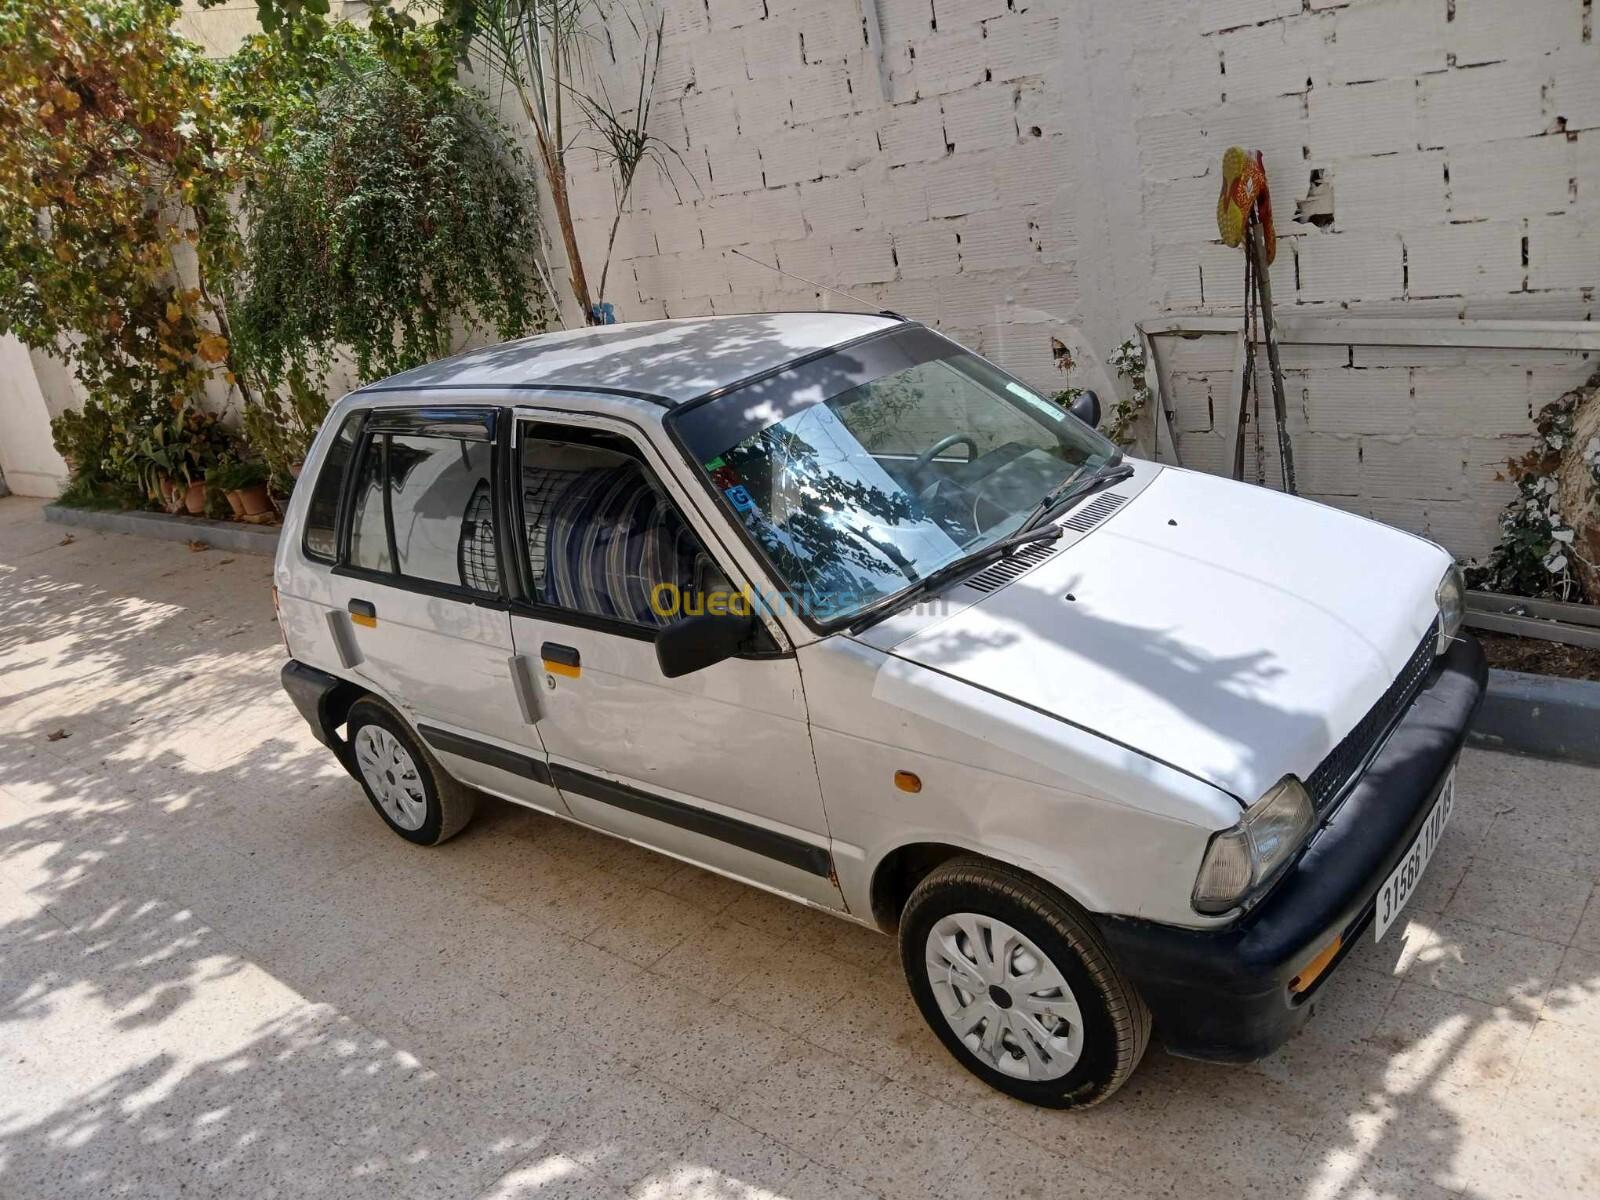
(862, 472)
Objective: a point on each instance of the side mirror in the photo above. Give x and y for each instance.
(1086, 407)
(694, 643)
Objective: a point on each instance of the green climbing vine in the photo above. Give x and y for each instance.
(387, 211)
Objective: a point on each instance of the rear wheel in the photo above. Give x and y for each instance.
(1018, 986)
(405, 783)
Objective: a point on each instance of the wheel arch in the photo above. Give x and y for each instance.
(898, 873)
(325, 701)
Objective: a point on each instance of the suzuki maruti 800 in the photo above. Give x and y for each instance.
(832, 606)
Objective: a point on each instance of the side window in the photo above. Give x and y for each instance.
(603, 537)
(322, 513)
(424, 510)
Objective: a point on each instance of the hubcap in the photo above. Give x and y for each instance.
(387, 767)
(1003, 998)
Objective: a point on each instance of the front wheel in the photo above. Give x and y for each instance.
(1019, 987)
(406, 784)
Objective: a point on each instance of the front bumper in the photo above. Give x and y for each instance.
(1223, 994)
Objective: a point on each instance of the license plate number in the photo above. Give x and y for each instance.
(1402, 882)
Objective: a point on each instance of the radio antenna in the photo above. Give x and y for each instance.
(813, 283)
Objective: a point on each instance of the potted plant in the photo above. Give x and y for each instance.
(224, 479)
(253, 488)
(203, 443)
(243, 483)
(159, 459)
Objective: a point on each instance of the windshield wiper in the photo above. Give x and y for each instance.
(1075, 488)
(953, 569)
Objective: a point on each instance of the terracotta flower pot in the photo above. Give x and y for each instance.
(234, 502)
(194, 499)
(255, 499)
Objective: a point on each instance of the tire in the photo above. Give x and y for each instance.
(423, 805)
(1096, 1026)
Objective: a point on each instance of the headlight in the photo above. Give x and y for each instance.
(1242, 860)
(1452, 600)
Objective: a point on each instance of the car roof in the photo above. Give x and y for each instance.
(667, 361)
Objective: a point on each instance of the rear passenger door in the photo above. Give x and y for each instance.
(422, 600)
(715, 766)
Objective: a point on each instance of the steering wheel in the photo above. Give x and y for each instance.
(925, 459)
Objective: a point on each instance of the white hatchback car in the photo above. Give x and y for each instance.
(830, 605)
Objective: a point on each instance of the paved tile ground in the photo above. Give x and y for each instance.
(220, 975)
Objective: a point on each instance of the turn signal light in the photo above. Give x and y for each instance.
(1314, 969)
(906, 781)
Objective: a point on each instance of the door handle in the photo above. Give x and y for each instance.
(561, 660)
(362, 612)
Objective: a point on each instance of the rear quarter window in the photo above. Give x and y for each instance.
(322, 511)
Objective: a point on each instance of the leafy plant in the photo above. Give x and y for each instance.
(115, 162)
(540, 50)
(80, 437)
(1128, 361)
(386, 210)
(1061, 354)
(231, 474)
(82, 492)
(626, 143)
(183, 448)
(1534, 556)
(281, 425)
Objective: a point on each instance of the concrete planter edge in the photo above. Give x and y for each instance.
(222, 535)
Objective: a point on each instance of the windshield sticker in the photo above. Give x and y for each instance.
(1048, 407)
(739, 497)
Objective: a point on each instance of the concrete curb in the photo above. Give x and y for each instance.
(1540, 715)
(223, 535)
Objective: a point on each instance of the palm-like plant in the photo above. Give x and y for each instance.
(539, 49)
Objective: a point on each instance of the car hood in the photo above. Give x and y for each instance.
(1229, 631)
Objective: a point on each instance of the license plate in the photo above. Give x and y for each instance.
(1402, 883)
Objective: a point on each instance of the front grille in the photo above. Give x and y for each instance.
(1350, 756)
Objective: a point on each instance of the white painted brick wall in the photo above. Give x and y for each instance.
(1379, 117)
(1369, 190)
(1477, 104)
(1452, 133)
(1484, 31)
(1514, 178)
(1457, 259)
(1575, 86)
(1395, 38)
(1352, 265)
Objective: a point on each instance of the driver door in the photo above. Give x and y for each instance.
(716, 766)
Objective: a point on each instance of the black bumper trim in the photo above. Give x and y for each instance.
(1223, 994)
(814, 860)
(494, 756)
(310, 690)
